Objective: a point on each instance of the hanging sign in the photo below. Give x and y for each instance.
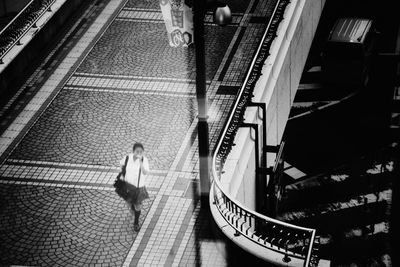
(178, 18)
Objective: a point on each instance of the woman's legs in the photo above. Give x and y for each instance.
(137, 208)
(137, 195)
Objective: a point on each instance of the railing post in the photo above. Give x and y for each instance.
(263, 107)
(262, 176)
(260, 192)
(310, 248)
(274, 179)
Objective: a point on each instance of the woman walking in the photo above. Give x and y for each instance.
(135, 166)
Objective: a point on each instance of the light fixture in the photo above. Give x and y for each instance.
(222, 14)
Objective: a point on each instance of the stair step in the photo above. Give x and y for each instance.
(335, 215)
(395, 106)
(307, 86)
(315, 69)
(356, 250)
(310, 104)
(356, 232)
(340, 174)
(338, 188)
(318, 95)
(324, 263)
(311, 76)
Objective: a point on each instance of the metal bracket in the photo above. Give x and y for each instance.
(248, 125)
(260, 192)
(286, 259)
(266, 171)
(263, 106)
(272, 149)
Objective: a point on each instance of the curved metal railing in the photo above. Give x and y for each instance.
(11, 34)
(268, 233)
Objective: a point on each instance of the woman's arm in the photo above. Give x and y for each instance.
(122, 163)
(145, 166)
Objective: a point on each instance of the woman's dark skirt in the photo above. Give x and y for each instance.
(136, 195)
(130, 193)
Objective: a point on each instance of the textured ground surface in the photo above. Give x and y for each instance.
(57, 203)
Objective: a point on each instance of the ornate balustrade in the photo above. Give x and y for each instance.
(291, 241)
(21, 24)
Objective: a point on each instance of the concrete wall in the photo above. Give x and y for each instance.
(239, 169)
(277, 88)
(39, 41)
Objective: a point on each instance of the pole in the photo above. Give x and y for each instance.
(199, 7)
(4, 8)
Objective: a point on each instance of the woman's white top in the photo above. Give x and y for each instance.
(132, 171)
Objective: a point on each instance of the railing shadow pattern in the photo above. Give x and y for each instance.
(286, 239)
(21, 24)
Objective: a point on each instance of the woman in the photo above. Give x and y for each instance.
(136, 168)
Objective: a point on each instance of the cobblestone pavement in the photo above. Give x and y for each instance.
(63, 225)
(144, 51)
(101, 127)
(64, 139)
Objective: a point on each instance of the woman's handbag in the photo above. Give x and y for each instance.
(120, 185)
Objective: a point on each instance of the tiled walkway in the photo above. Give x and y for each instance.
(111, 81)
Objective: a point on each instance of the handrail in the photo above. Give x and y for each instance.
(14, 19)
(12, 33)
(281, 237)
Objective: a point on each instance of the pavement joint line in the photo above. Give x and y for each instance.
(227, 54)
(123, 82)
(134, 77)
(139, 20)
(182, 149)
(92, 34)
(207, 22)
(179, 165)
(128, 91)
(141, 9)
(81, 176)
(167, 227)
(138, 79)
(72, 166)
(185, 239)
(44, 182)
(156, 16)
(141, 241)
(241, 31)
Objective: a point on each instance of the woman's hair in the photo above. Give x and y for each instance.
(137, 145)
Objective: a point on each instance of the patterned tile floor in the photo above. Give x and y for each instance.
(117, 81)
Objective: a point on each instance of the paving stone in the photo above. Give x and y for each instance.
(93, 121)
(142, 49)
(102, 127)
(48, 225)
(235, 5)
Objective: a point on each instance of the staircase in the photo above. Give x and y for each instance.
(313, 95)
(349, 207)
